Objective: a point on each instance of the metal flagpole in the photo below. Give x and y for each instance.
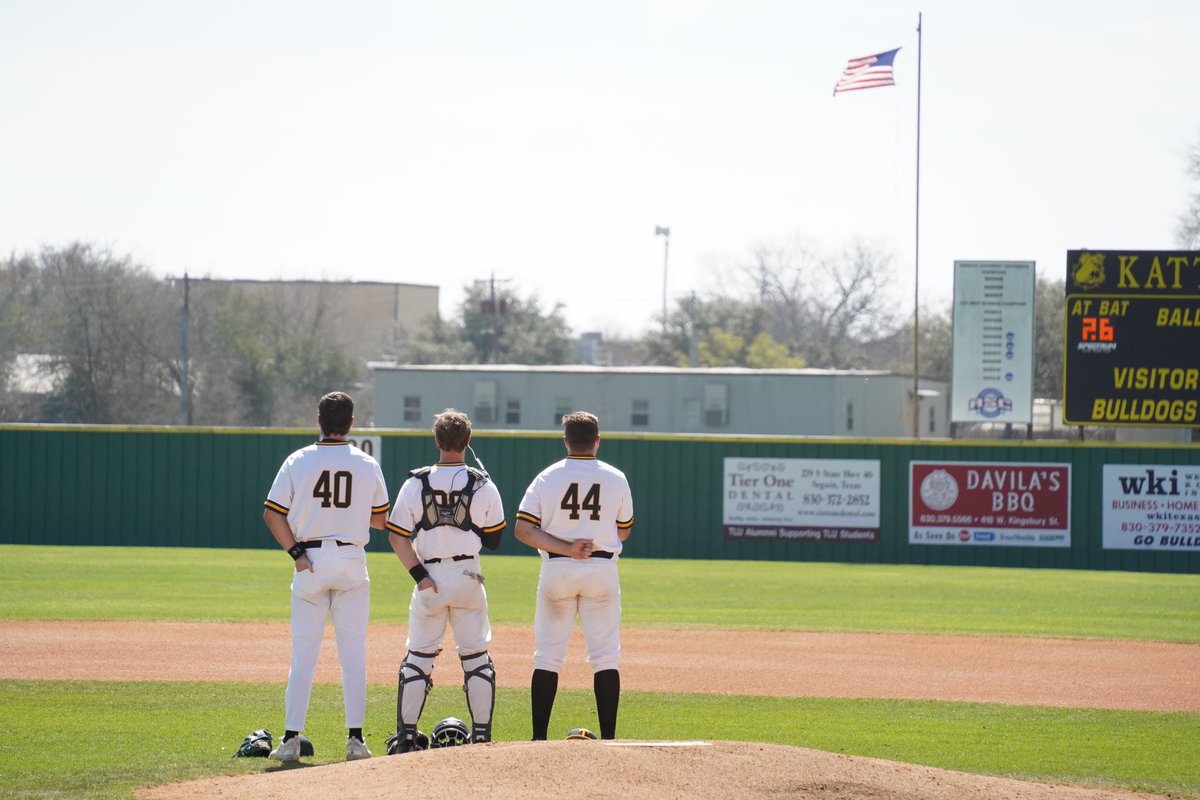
(917, 258)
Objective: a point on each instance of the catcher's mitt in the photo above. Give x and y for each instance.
(256, 745)
(396, 745)
(580, 733)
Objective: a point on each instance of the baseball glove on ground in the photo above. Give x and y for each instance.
(580, 733)
(255, 745)
(396, 745)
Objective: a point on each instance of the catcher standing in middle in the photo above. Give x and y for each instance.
(443, 515)
(577, 512)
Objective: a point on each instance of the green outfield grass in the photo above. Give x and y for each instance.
(121, 735)
(130, 734)
(252, 585)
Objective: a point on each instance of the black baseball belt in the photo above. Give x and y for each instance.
(313, 543)
(463, 557)
(595, 554)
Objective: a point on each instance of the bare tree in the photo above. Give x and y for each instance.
(109, 333)
(821, 307)
(852, 305)
(19, 333)
(1188, 231)
(106, 325)
(261, 361)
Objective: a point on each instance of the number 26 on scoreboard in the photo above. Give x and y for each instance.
(1096, 329)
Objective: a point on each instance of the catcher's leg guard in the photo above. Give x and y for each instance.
(479, 684)
(410, 699)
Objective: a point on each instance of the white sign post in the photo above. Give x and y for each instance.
(993, 342)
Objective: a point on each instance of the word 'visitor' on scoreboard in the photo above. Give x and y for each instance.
(1132, 346)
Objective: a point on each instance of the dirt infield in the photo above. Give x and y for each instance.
(1076, 673)
(1054, 672)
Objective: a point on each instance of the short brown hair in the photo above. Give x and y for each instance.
(580, 428)
(335, 412)
(452, 430)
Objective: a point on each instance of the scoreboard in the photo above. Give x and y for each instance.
(1131, 352)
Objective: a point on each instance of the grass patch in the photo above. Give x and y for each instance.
(124, 735)
(200, 584)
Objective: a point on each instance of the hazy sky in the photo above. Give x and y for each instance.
(542, 142)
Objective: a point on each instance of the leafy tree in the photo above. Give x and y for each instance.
(495, 325)
(937, 335)
(766, 353)
(1048, 327)
(704, 333)
(721, 348)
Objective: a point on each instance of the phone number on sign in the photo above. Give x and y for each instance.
(852, 500)
(1160, 527)
(953, 519)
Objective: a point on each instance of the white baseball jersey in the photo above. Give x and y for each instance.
(580, 497)
(460, 598)
(446, 480)
(329, 490)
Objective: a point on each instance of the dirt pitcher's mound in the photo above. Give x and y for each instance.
(624, 770)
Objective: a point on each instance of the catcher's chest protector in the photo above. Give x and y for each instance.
(440, 508)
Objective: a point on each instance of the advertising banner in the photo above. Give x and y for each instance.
(993, 342)
(830, 500)
(1151, 507)
(1132, 345)
(993, 504)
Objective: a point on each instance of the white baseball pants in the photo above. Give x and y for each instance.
(591, 589)
(337, 585)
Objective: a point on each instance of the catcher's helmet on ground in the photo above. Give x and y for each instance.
(257, 744)
(450, 732)
(580, 733)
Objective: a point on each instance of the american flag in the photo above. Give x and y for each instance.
(867, 72)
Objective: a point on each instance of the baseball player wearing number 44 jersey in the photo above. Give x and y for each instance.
(321, 508)
(577, 512)
(444, 514)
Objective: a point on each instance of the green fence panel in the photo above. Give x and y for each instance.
(146, 486)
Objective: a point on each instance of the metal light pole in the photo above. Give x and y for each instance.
(666, 234)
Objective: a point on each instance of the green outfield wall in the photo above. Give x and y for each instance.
(188, 487)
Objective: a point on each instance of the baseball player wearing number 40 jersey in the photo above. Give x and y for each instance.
(577, 512)
(321, 508)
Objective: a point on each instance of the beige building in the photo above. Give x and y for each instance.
(363, 315)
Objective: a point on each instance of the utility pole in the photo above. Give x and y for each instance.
(185, 389)
(493, 308)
